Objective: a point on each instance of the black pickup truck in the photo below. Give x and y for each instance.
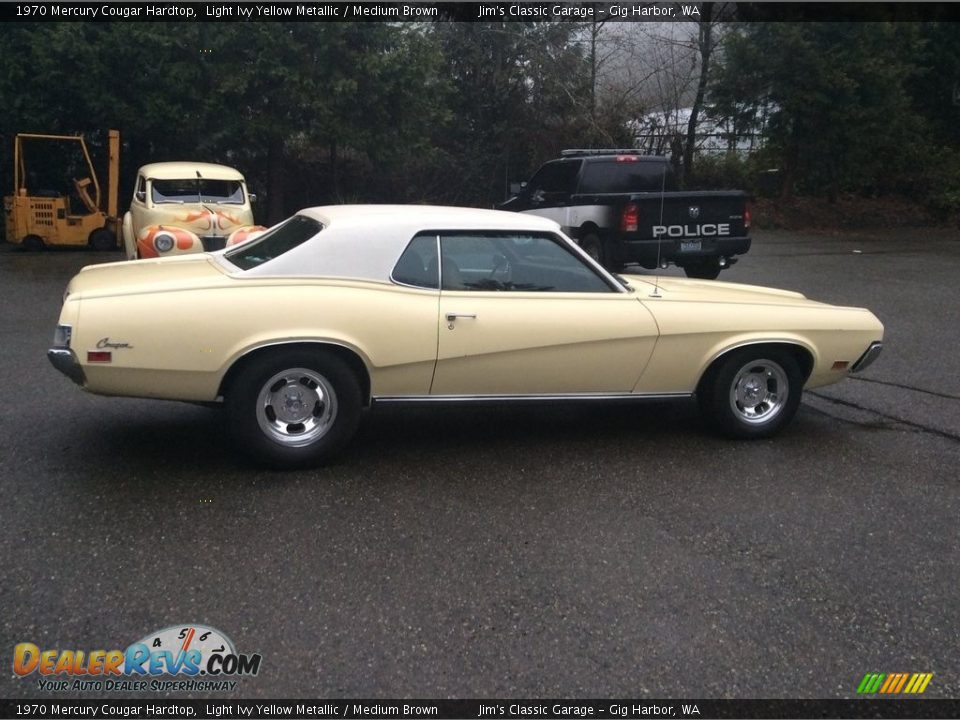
(623, 207)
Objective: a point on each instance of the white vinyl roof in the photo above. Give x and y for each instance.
(365, 241)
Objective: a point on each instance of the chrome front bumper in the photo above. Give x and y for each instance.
(872, 353)
(64, 360)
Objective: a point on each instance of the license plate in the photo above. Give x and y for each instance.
(689, 245)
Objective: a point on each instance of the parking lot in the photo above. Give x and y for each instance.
(573, 551)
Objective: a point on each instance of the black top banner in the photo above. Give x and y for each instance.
(266, 11)
(457, 709)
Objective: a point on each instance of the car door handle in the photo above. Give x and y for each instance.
(451, 316)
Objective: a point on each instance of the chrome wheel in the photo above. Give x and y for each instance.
(759, 391)
(296, 407)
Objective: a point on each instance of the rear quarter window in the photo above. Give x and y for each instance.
(632, 176)
(275, 242)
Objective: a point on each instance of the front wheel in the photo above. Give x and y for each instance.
(293, 409)
(102, 240)
(751, 393)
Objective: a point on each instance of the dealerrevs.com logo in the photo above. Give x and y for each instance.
(894, 683)
(200, 657)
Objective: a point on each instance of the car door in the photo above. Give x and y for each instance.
(523, 314)
(549, 190)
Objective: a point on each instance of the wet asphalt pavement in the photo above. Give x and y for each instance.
(563, 552)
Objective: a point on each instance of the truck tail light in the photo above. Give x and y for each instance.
(746, 217)
(630, 218)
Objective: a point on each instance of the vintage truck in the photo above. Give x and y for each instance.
(622, 207)
(187, 207)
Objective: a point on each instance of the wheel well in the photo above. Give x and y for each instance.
(799, 353)
(348, 356)
(588, 228)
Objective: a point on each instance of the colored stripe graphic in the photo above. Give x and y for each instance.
(894, 683)
(871, 683)
(923, 679)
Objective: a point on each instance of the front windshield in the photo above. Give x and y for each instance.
(197, 190)
(275, 242)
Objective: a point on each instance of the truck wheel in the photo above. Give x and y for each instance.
(594, 247)
(591, 246)
(751, 393)
(703, 271)
(33, 243)
(102, 240)
(293, 409)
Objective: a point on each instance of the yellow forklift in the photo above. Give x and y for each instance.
(38, 218)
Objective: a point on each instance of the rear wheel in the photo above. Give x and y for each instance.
(295, 408)
(708, 270)
(751, 392)
(594, 247)
(33, 243)
(591, 246)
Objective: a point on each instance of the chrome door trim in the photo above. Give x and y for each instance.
(546, 397)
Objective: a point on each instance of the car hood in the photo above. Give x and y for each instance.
(687, 290)
(132, 277)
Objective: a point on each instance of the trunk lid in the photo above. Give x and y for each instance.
(122, 278)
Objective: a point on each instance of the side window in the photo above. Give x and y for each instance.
(274, 242)
(418, 264)
(140, 192)
(514, 262)
(554, 179)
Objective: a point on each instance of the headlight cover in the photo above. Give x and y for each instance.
(163, 242)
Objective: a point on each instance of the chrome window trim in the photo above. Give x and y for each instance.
(439, 267)
(560, 238)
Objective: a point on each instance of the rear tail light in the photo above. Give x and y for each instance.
(630, 219)
(746, 217)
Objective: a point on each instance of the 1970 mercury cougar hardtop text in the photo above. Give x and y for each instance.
(343, 307)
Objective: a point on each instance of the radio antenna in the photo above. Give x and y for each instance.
(663, 189)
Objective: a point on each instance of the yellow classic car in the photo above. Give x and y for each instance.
(187, 207)
(345, 307)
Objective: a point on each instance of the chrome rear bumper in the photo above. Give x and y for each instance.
(64, 360)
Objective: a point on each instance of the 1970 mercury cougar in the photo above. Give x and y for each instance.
(345, 307)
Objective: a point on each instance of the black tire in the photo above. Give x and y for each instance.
(102, 240)
(751, 393)
(595, 248)
(293, 408)
(34, 243)
(703, 270)
(592, 246)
